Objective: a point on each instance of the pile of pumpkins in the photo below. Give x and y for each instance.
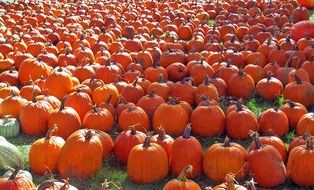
(76, 71)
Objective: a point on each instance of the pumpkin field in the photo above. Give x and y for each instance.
(156, 94)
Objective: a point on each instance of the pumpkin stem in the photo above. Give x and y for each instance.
(161, 78)
(107, 101)
(161, 134)
(187, 131)
(251, 184)
(51, 131)
(95, 108)
(291, 104)
(66, 184)
(254, 136)
(230, 181)
(62, 103)
(135, 81)
(227, 142)
(14, 174)
(88, 135)
(206, 80)
(146, 143)
(297, 79)
(239, 106)
(309, 144)
(184, 172)
(152, 93)
(33, 96)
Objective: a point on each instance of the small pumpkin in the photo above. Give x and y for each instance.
(125, 141)
(15, 182)
(56, 185)
(182, 182)
(305, 124)
(22, 173)
(164, 140)
(9, 126)
(147, 163)
(229, 184)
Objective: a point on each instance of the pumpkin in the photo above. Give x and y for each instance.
(186, 150)
(81, 156)
(206, 89)
(265, 159)
(32, 68)
(275, 120)
(294, 111)
(181, 182)
(223, 158)
(44, 153)
(245, 81)
(269, 88)
(160, 87)
(300, 140)
(229, 184)
(102, 93)
(240, 121)
(125, 141)
(274, 141)
(31, 125)
(67, 120)
(300, 91)
(132, 92)
(147, 163)
(98, 118)
(164, 140)
(15, 182)
(81, 102)
(164, 115)
(22, 173)
(302, 29)
(59, 83)
(208, 120)
(106, 141)
(305, 124)
(9, 154)
(150, 103)
(133, 116)
(183, 90)
(56, 185)
(299, 172)
(9, 126)
(12, 105)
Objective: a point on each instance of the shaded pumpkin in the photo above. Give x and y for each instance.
(223, 158)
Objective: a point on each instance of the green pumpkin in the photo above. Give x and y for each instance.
(22, 173)
(9, 126)
(9, 155)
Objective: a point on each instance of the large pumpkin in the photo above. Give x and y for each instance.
(164, 115)
(81, 156)
(44, 153)
(299, 169)
(303, 28)
(147, 163)
(266, 165)
(223, 158)
(186, 150)
(182, 182)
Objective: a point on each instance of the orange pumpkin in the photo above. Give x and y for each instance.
(44, 153)
(81, 156)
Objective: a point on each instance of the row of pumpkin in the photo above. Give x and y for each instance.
(150, 158)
